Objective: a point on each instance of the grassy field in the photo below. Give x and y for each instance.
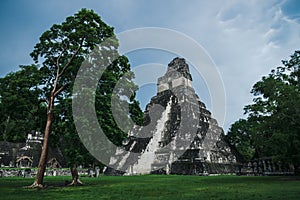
(156, 187)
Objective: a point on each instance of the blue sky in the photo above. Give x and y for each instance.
(245, 39)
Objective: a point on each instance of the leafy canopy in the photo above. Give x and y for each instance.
(273, 124)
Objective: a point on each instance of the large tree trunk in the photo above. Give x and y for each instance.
(43, 159)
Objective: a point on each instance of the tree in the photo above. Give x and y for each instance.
(113, 99)
(107, 91)
(62, 50)
(241, 137)
(64, 134)
(274, 115)
(21, 111)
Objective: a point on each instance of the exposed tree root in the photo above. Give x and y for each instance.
(75, 182)
(34, 185)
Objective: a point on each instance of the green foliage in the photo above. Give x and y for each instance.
(157, 187)
(273, 124)
(60, 53)
(64, 46)
(240, 136)
(63, 49)
(20, 107)
(107, 92)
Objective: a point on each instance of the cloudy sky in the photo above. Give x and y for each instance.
(244, 39)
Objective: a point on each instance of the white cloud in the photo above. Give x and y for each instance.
(244, 38)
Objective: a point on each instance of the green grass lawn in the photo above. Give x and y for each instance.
(156, 187)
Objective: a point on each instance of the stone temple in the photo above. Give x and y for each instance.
(179, 135)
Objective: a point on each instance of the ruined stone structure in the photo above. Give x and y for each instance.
(179, 135)
(9, 152)
(265, 166)
(28, 154)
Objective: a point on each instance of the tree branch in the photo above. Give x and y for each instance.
(31, 113)
(43, 100)
(59, 57)
(60, 90)
(73, 56)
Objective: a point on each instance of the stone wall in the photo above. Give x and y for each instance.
(265, 166)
